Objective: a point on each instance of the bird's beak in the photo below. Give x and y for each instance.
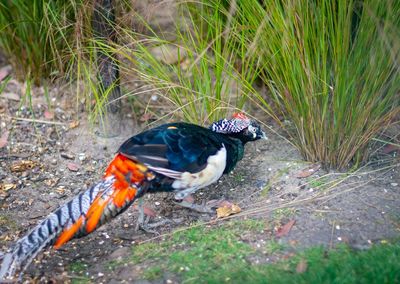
(264, 136)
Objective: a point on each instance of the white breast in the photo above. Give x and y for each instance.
(211, 173)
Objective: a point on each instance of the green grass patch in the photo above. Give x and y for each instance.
(78, 268)
(342, 265)
(218, 255)
(196, 253)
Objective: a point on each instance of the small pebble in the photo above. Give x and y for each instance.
(339, 239)
(82, 156)
(67, 156)
(394, 184)
(337, 227)
(157, 203)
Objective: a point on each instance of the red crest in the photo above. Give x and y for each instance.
(240, 115)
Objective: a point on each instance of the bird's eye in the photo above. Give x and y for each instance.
(252, 129)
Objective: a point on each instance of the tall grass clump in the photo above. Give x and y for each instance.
(36, 35)
(332, 68)
(202, 83)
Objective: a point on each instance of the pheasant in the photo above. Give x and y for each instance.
(175, 157)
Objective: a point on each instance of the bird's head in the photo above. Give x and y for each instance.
(239, 126)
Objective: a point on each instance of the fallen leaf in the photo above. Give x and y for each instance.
(74, 124)
(73, 167)
(189, 198)
(149, 212)
(51, 182)
(285, 229)
(389, 148)
(23, 165)
(308, 171)
(4, 138)
(7, 186)
(48, 114)
(60, 190)
(301, 266)
(226, 211)
(145, 117)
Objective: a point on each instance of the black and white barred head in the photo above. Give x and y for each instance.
(238, 123)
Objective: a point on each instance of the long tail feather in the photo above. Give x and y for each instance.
(81, 215)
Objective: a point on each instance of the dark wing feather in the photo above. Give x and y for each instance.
(175, 147)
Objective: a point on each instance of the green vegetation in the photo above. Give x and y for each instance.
(78, 268)
(218, 255)
(199, 253)
(342, 265)
(37, 36)
(196, 73)
(331, 67)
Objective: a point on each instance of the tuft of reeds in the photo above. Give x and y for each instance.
(332, 68)
(202, 81)
(36, 36)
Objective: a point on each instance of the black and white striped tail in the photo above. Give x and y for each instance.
(45, 234)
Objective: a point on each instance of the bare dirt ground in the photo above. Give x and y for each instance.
(44, 164)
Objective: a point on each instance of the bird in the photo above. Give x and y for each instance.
(175, 157)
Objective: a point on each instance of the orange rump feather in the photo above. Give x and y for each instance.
(67, 234)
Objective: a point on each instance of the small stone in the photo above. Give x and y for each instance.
(394, 184)
(337, 227)
(67, 156)
(157, 203)
(339, 239)
(73, 167)
(82, 156)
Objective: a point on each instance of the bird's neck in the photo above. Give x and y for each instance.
(235, 150)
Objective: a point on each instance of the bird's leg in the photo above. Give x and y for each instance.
(188, 202)
(143, 223)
